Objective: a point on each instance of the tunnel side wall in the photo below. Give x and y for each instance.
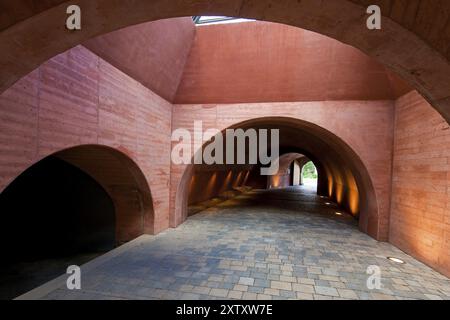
(420, 213)
(207, 184)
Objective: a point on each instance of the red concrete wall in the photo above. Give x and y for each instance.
(420, 214)
(284, 176)
(207, 184)
(269, 62)
(153, 53)
(77, 98)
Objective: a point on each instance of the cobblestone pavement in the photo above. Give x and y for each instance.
(283, 244)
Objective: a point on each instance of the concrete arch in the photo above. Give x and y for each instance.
(124, 182)
(301, 163)
(322, 143)
(285, 162)
(34, 34)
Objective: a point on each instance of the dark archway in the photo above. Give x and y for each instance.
(125, 183)
(66, 209)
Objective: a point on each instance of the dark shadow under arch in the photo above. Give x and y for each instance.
(66, 209)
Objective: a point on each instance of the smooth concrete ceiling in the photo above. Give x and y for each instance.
(269, 62)
(244, 62)
(153, 53)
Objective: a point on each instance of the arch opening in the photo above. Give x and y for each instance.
(67, 209)
(308, 174)
(341, 175)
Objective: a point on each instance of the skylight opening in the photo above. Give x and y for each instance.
(207, 20)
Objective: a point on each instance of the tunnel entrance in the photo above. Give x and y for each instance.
(54, 215)
(67, 209)
(308, 175)
(335, 171)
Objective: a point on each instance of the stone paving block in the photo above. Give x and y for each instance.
(272, 292)
(288, 279)
(347, 294)
(326, 291)
(249, 296)
(281, 285)
(314, 270)
(304, 288)
(201, 290)
(337, 285)
(211, 284)
(273, 277)
(256, 289)
(216, 278)
(304, 296)
(235, 294)
(288, 294)
(306, 281)
(221, 293)
(262, 283)
(240, 287)
(246, 281)
(258, 275)
(226, 285)
(329, 278)
(186, 288)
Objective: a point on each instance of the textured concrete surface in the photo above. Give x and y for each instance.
(268, 62)
(420, 212)
(153, 53)
(280, 244)
(76, 99)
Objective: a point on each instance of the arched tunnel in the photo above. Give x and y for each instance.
(342, 177)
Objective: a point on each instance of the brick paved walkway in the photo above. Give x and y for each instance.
(284, 244)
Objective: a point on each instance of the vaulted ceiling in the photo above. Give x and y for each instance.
(244, 62)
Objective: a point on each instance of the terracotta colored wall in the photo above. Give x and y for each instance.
(153, 53)
(207, 184)
(285, 174)
(366, 126)
(77, 98)
(269, 62)
(420, 214)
